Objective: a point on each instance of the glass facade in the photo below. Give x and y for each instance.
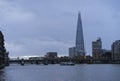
(78, 50)
(79, 38)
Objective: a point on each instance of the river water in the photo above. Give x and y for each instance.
(81, 72)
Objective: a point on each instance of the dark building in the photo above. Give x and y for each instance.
(106, 55)
(4, 60)
(97, 48)
(116, 50)
(51, 55)
(88, 57)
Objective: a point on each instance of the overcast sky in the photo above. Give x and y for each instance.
(34, 27)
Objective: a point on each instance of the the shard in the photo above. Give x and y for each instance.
(80, 51)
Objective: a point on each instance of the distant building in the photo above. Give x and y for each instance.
(88, 57)
(78, 50)
(116, 50)
(51, 55)
(106, 55)
(96, 48)
(4, 60)
(72, 52)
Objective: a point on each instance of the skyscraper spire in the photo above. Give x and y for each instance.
(80, 51)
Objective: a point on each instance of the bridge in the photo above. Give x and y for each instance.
(59, 60)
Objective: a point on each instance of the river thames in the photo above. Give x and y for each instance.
(81, 72)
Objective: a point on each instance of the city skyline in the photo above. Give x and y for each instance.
(51, 25)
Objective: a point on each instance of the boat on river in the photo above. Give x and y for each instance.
(67, 63)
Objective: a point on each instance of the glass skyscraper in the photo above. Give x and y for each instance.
(79, 49)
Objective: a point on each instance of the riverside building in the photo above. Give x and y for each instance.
(4, 60)
(97, 48)
(116, 50)
(78, 50)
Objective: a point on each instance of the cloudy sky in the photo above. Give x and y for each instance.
(34, 27)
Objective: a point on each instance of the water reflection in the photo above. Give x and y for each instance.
(82, 72)
(2, 75)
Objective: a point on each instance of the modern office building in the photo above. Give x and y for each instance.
(116, 50)
(97, 48)
(72, 52)
(78, 50)
(106, 55)
(51, 55)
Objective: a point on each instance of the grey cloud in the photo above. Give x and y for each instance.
(37, 47)
(36, 27)
(14, 14)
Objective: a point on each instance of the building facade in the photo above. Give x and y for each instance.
(72, 52)
(116, 50)
(78, 50)
(51, 55)
(106, 55)
(4, 60)
(97, 48)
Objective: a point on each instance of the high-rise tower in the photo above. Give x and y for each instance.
(97, 48)
(78, 50)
